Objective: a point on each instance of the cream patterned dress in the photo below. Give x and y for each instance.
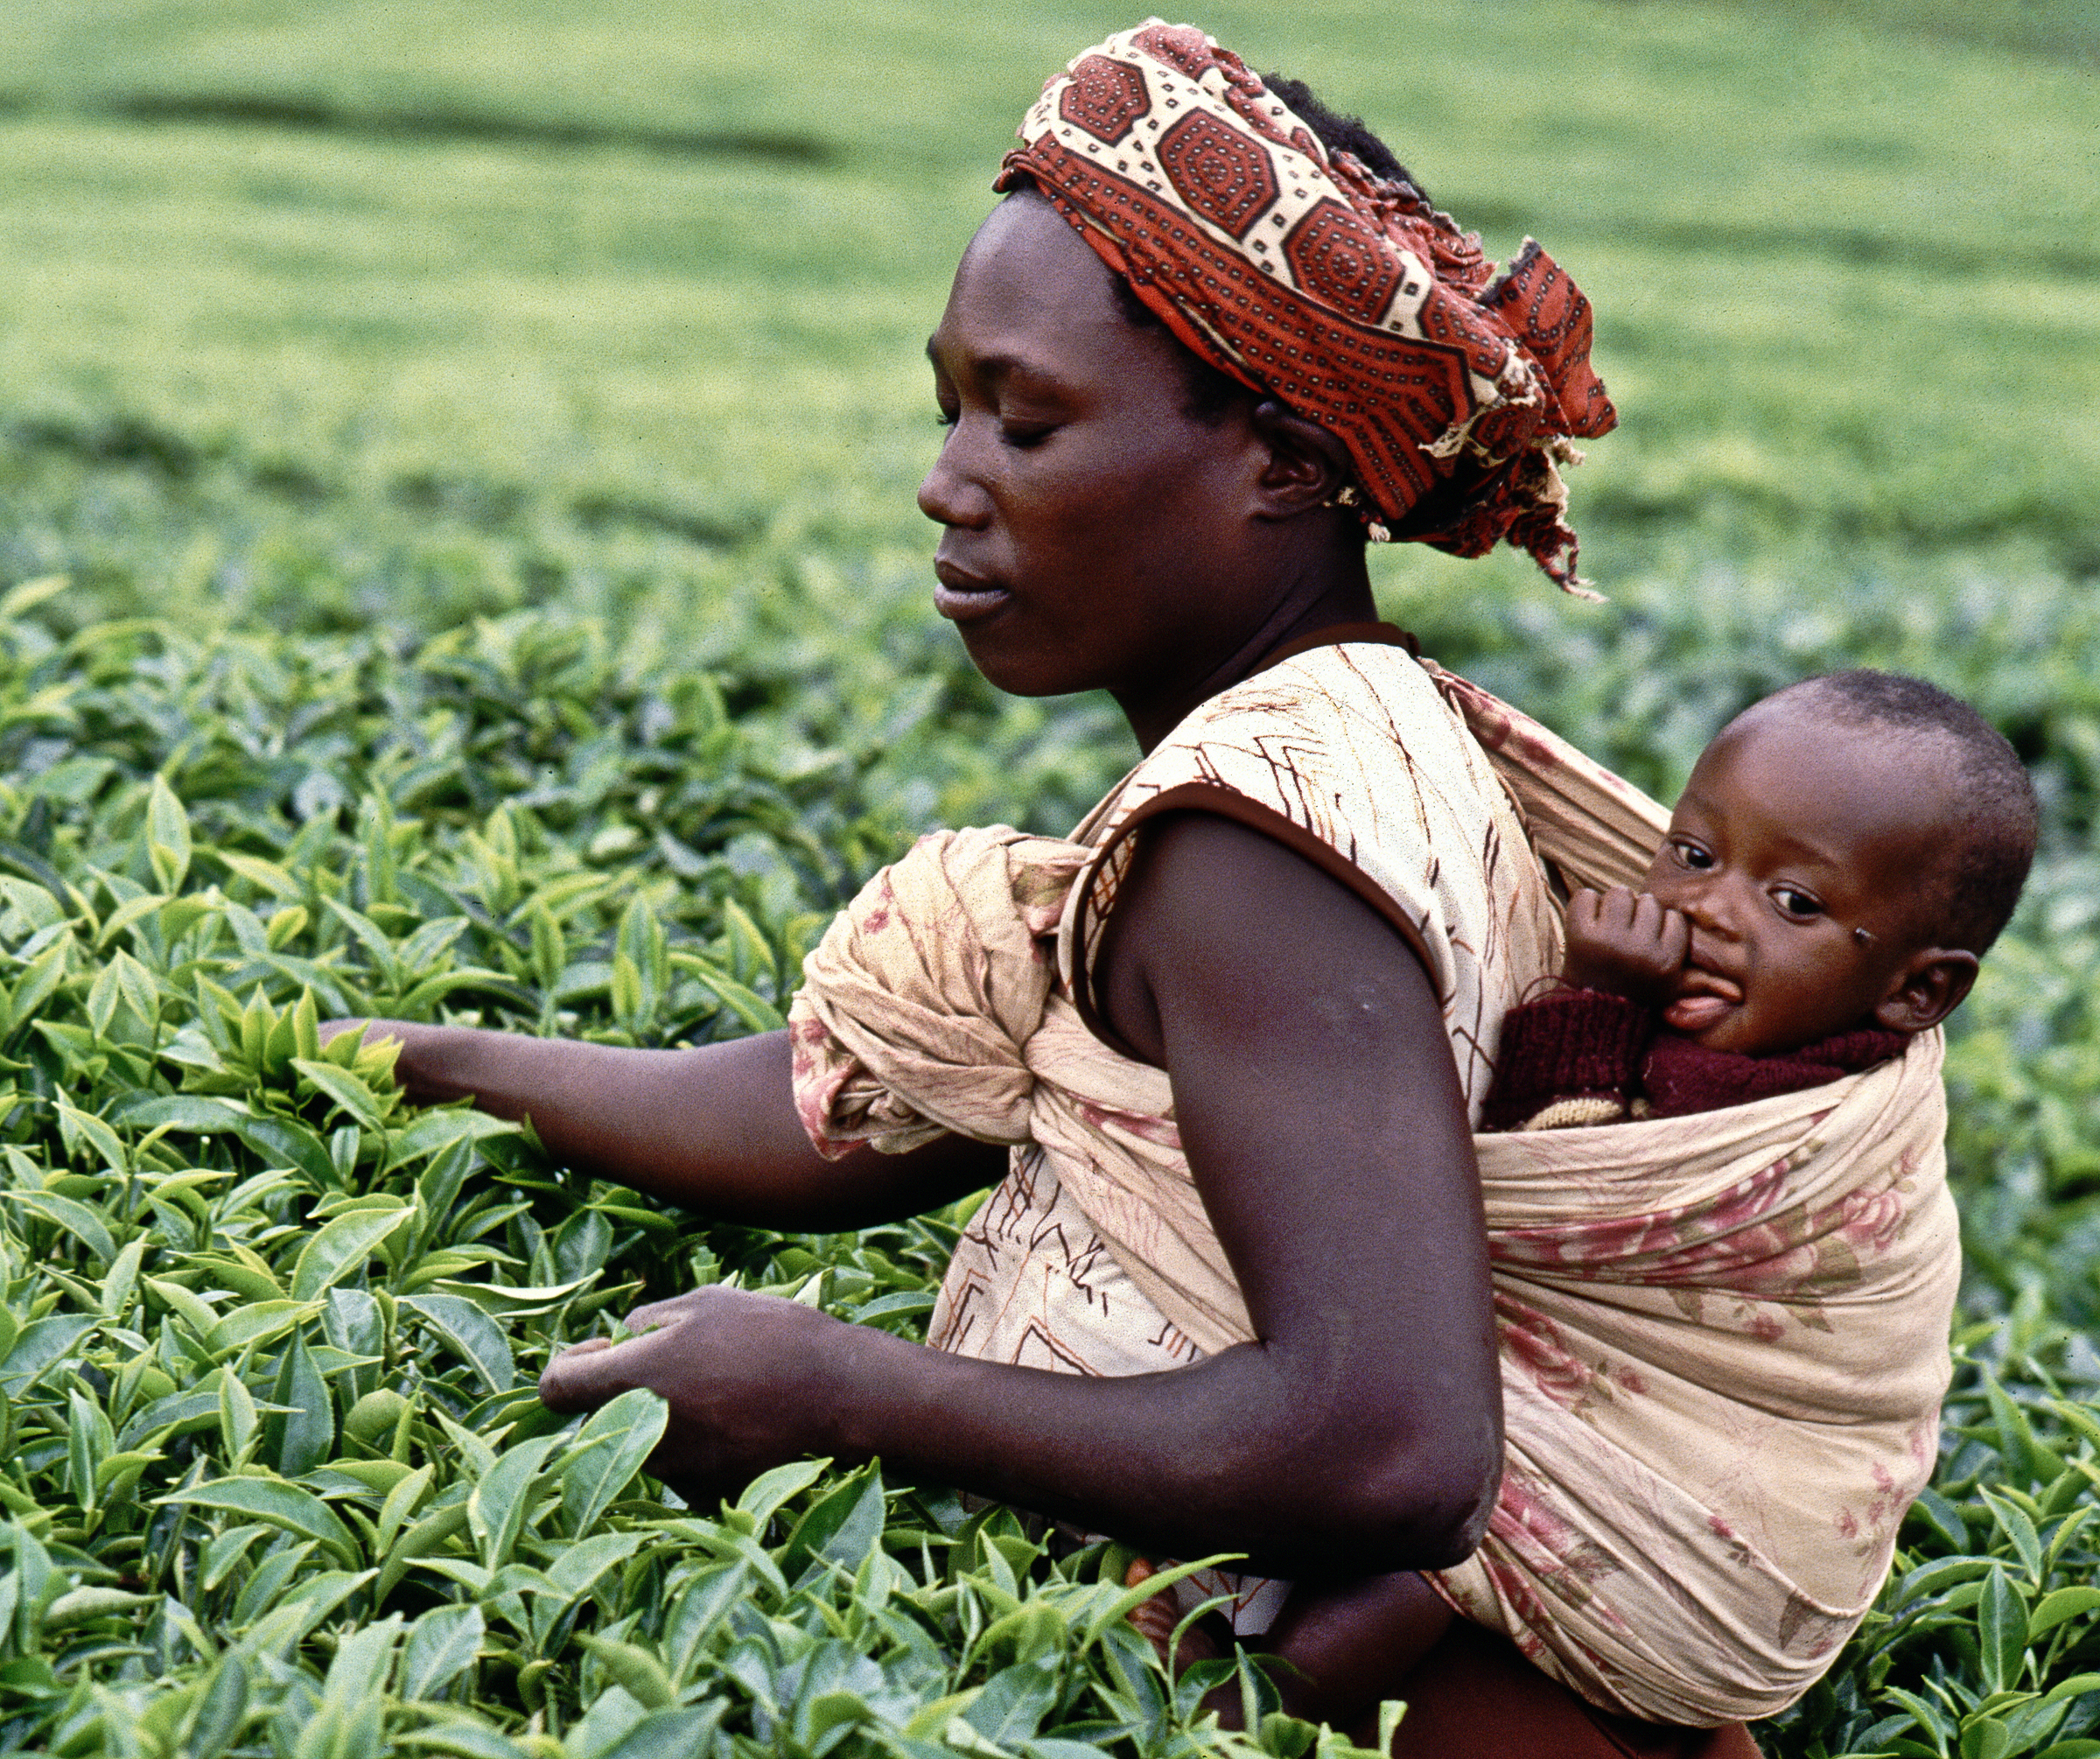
(1347, 754)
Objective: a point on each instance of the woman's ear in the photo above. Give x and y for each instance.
(1931, 987)
(1306, 465)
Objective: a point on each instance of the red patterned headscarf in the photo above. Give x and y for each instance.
(1343, 294)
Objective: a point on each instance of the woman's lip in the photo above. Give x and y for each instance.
(963, 598)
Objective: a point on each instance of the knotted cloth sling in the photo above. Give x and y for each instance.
(1345, 294)
(1722, 1336)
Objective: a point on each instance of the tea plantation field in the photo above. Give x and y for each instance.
(458, 560)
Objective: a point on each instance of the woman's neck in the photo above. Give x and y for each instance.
(1156, 709)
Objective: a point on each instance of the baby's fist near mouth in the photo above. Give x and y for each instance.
(1626, 943)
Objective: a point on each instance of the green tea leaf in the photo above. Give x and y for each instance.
(2001, 1621)
(258, 1322)
(167, 835)
(39, 1346)
(192, 1114)
(477, 1339)
(497, 1509)
(299, 1436)
(37, 984)
(342, 1247)
(608, 1450)
(442, 1645)
(636, 1669)
(2064, 1604)
(83, 1223)
(2014, 1523)
(756, 1014)
(349, 1094)
(281, 1504)
(222, 1709)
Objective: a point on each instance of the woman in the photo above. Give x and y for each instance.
(1190, 362)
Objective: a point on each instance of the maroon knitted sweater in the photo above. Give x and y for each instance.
(1585, 1044)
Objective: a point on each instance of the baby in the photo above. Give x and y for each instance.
(1844, 853)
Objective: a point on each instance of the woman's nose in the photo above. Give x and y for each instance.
(949, 494)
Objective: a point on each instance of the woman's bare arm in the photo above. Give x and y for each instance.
(712, 1127)
(1316, 1094)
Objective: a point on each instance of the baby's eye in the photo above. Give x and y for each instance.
(1691, 854)
(1795, 903)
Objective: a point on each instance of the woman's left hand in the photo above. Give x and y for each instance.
(746, 1377)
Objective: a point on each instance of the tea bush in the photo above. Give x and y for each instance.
(275, 1477)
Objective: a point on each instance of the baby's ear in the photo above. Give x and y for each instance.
(1929, 988)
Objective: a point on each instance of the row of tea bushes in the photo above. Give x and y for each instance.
(272, 1474)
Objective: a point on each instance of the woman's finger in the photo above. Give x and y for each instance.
(657, 1315)
(586, 1374)
(1155, 1619)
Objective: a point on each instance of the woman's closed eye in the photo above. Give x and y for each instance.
(1018, 434)
(1021, 435)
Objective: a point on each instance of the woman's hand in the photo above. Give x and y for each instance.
(748, 1378)
(710, 1127)
(1626, 944)
(416, 1088)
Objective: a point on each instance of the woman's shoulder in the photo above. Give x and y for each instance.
(1328, 688)
(1348, 755)
(1350, 740)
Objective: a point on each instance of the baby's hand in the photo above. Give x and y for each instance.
(1626, 945)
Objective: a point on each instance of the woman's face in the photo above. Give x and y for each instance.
(1098, 535)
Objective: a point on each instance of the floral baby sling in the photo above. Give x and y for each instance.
(1722, 1336)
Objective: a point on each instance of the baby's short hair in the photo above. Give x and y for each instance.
(1979, 881)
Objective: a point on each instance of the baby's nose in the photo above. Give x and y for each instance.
(1711, 909)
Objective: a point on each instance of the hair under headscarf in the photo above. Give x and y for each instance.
(1343, 294)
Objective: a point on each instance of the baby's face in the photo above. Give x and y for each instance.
(1793, 833)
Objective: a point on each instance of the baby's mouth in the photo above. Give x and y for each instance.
(1704, 1000)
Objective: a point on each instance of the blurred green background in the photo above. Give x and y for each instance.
(324, 314)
